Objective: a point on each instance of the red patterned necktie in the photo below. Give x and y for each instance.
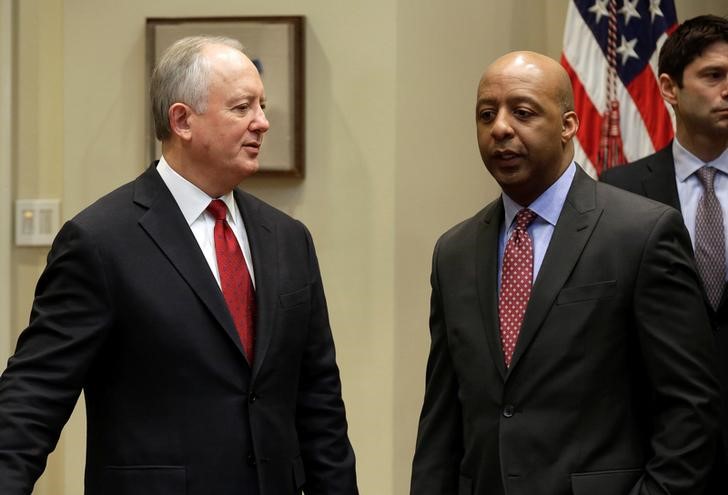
(516, 280)
(237, 288)
(710, 239)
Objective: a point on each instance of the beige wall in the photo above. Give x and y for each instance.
(6, 177)
(391, 163)
(440, 178)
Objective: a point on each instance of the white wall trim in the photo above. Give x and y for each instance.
(6, 155)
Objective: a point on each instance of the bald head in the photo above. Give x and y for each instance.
(538, 68)
(525, 123)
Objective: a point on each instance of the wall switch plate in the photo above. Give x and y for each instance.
(36, 221)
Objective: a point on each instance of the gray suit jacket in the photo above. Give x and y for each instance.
(612, 386)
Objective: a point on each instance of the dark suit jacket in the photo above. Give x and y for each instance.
(654, 177)
(128, 311)
(611, 389)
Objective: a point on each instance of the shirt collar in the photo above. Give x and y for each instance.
(548, 206)
(686, 164)
(192, 200)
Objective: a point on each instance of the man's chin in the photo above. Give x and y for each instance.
(509, 177)
(249, 168)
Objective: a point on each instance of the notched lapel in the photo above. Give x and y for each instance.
(165, 224)
(660, 183)
(571, 233)
(486, 256)
(264, 251)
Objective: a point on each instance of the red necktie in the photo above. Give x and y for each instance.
(516, 280)
(237, 288)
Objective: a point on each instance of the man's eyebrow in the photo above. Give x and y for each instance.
(712, 68)
(237, 97)
(510, 99)
(524, 99)
(245, 97)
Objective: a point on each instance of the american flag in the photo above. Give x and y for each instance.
(610, 52)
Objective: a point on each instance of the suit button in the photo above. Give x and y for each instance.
(508, 411)
(252, 397)
(251, 460)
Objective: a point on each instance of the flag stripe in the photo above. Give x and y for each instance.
(651, 108)
(586, 164)
(645, 121)
(635, 136)
(589, 116)
(585, 57)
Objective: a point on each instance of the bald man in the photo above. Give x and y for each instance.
(571, 351)
(191, 314)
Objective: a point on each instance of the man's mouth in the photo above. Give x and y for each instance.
(505, 155)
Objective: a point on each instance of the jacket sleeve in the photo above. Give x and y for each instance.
(320, 416)
(680, 362)
(39, 388)
(439, 448)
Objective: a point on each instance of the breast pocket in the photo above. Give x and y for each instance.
(582, 293)
(145, 480)
(296, 298)
(292, 320)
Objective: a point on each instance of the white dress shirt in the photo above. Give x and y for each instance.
(193, 203)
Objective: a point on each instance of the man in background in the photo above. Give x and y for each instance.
(691, 173)
(190, 313)
(571, 351)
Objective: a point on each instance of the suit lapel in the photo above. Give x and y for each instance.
(486, 263)
(571, 233)
(723, 306)
(164, 223)
(264, 251)
(659, 184)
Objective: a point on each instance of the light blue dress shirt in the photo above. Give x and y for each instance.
(690, 189)
(547, 207)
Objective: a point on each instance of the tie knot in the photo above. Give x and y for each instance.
(524, 218)
(706, 176)
(218, 208)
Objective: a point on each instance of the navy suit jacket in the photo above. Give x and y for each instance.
(612, 388)
(128, 311)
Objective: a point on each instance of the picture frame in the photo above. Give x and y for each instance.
(276, 45)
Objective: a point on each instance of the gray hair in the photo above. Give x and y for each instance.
(181, 76)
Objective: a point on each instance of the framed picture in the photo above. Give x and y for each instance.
(275, 45)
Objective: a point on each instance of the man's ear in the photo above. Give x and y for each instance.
(569, 126)
(179, 120)
(668, 89)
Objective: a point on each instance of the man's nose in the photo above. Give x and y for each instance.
(260, 122)
(502, 128)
